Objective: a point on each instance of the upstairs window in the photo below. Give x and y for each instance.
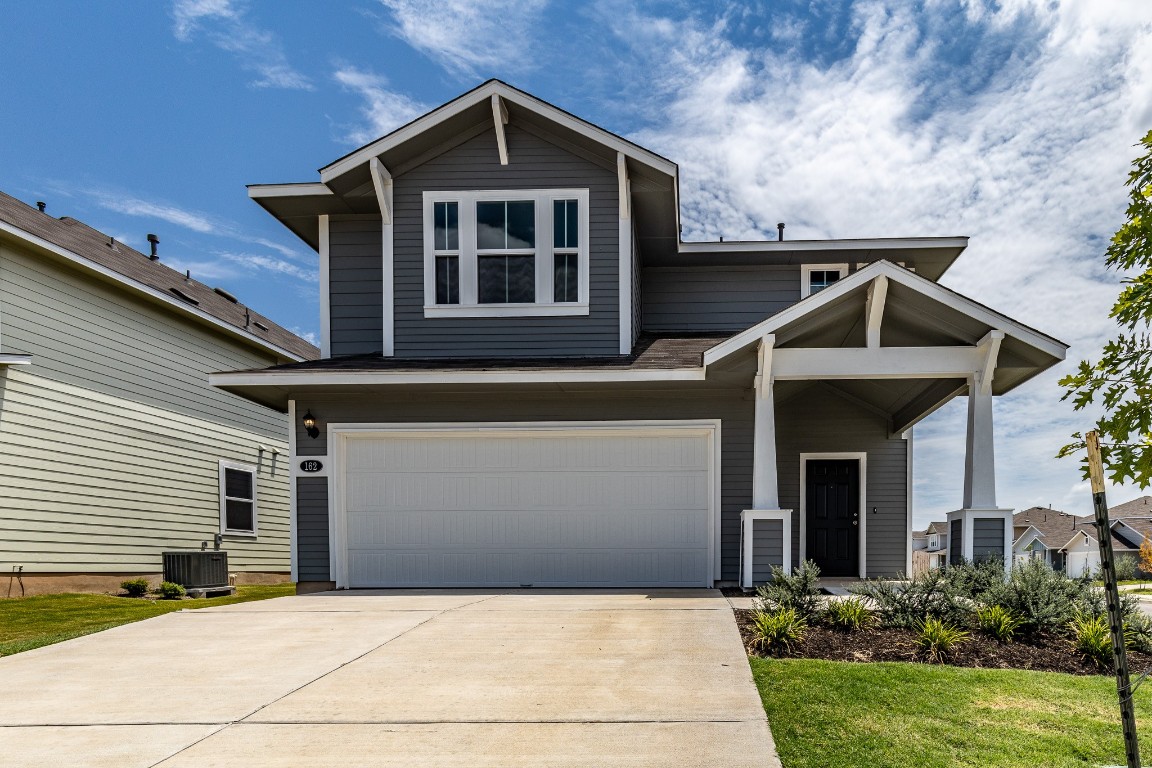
(506, 253)
(816, 277)
(237, 499)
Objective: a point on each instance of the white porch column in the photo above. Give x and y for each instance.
(765, 486)
(980, 456)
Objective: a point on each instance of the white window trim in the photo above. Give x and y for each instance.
(862, 549)
(934, 541)
(806, 271)
(469, 305)
(224, 529)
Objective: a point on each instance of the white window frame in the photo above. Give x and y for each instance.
(934, 541)
(806, 271)
(469, 305)
(224, 529)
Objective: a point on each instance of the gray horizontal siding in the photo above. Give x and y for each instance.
(355, 285)
(312, 528)
(533, 164)
(987, 538)
(955, 542)
(819, 421)
(716, 299)
(767, 549)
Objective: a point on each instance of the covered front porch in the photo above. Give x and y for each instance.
(898, 347)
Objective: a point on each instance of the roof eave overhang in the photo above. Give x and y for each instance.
(178, 307)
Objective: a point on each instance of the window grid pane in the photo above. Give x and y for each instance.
(819, 279)
(447, 279)
(238, 515)
(566, 275)
(565, 224)
(506, 279)
(447, 237)
(237, 483)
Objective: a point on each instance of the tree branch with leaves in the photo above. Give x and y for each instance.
(1121, 380)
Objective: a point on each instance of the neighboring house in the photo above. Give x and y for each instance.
(1070, 542)
(528, 378)
(113, 446)
(930, 548)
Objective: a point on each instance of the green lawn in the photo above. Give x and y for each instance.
(826, 713)
(30, 622)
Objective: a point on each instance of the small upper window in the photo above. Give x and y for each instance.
(816, 277)
(237, 499)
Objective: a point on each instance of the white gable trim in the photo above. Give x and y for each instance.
(896, 274)
(485, 93)
(303, 189)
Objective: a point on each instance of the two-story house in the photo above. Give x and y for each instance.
(528, 378)
(113, 445)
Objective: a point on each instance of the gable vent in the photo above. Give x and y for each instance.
(226, 295)
(184, 296)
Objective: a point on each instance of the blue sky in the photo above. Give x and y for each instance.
(1009, 121)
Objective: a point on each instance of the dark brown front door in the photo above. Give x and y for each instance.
(833, 508)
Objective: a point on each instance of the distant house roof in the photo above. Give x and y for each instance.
(90, 249)
(937, 526)
(1058, 528)
(1141, 507)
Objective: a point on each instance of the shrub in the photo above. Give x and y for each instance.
(1045, 599)
(1138, 633)
(931, 594)
(998, 622)
(135, 587)
(778, 631)
(981, 581)
(170, 590)
(938, 638)
(1091, 638)
(798, 591)
(1125, 568)
(848, 614)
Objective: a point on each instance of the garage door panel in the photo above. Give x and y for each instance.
(542, 491)
(582, 508)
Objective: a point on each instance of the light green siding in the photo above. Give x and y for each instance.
(110, 441)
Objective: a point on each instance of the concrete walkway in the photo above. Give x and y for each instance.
(374, 678)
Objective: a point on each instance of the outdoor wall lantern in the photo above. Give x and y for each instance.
(310, 425)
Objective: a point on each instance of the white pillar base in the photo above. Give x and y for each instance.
(747, 523)
(966, 518)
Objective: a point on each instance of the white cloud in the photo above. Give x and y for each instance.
(470, 38)
(225, 24)
(311, 337)
(894, 139)
(384, 110)
(257, 262)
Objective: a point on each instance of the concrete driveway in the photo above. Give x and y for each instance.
(381, 678)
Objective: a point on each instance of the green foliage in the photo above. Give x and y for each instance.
(1091, 639)
(998, 622)
(1126, 569)
(798, 591)
(1138, 633)
(779, 631)
(848, 614)
(135, 587)
(937, 639)
(170, 590)
(1044, 599)
(931, 594)
(1122, 377)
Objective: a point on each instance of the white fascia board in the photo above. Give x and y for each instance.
(897, 274)
(875, 363)
(482, 94)
(304, 189)
(15, 359)
(153, 293)
(367, 378)
(768, 246)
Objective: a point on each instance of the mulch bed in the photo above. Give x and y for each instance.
(1043, 652)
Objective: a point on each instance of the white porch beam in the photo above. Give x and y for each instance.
(765, 484)
(382, 182)
(877, 363)
(874, 312)
(990, 350)
(500, 119)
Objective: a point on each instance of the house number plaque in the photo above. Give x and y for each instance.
(311, 465)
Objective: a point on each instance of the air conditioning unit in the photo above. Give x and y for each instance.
(197, 570)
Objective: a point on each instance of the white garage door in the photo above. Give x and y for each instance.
(574, 507)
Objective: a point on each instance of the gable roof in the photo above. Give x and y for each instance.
(481, 96)
(1055, 528)
(937, 527)
(96, 253)
(1139, 507)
